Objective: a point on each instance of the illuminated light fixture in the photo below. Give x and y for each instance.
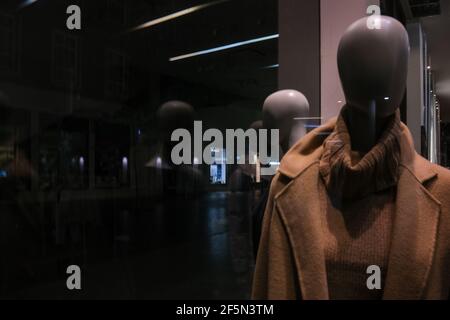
(225, 47)
(386, 98)
(158, 162)
(81, 162)
(177, 15)
(27, 3)
(273, 66)
(429, 67)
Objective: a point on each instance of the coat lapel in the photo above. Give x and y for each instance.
(301, 213)
(414, 235)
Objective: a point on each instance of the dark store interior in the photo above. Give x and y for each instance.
(85, 174)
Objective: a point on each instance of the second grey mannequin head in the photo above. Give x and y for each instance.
(284, 110)
(174, 115)
(373, 65)
(171, 116)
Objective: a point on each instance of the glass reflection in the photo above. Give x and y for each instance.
(86, 176)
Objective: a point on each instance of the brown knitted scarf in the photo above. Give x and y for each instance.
(348, 175)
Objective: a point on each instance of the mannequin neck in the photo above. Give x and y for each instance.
(298, 131)
(364, 128)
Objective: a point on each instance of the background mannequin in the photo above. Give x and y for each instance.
(373, 66)
(279, 112)
(174, 115)
(171, 116)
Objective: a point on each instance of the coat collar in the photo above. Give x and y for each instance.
(309, 149)
(415, 225)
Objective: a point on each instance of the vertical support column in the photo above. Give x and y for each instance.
(415, 84)
(299, 49)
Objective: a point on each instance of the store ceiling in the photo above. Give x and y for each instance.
(437, 29)
(242, 71)
(239, 73)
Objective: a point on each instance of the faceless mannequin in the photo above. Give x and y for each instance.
(388, 208)
(173, 115)
(286, 110)
(373, 66)
(189, 179)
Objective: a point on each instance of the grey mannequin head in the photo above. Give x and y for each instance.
(373, 65)
(281, 111)
(173, 115)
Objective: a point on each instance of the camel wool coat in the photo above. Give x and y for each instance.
(291, 261)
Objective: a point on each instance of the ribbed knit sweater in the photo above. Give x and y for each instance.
(359, 206)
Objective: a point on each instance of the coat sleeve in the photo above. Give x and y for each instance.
(275, 274)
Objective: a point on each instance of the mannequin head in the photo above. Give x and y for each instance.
(174, 115)
(279, 112)
(373, 65)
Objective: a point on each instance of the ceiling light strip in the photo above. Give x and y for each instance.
(177, 15)
(27, 3)
(222, 48)
(273, 66)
